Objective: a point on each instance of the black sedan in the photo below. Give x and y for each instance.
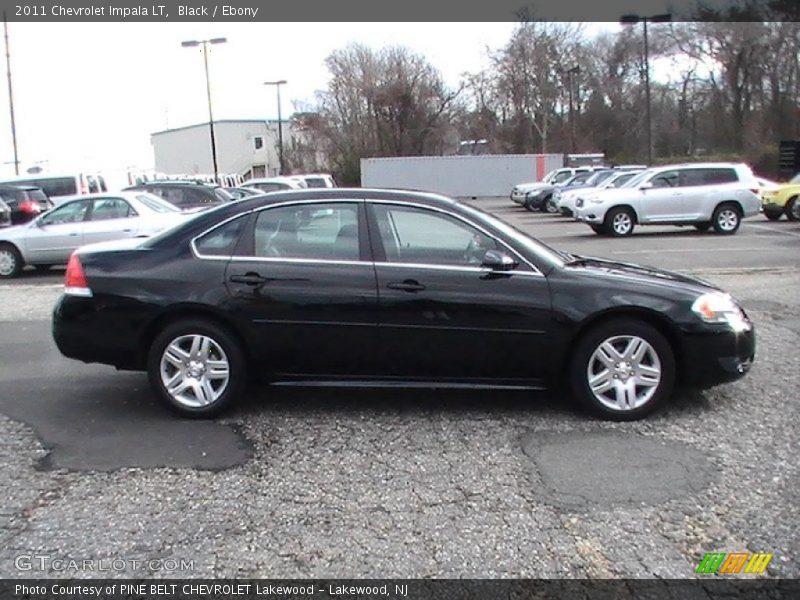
(389, 288)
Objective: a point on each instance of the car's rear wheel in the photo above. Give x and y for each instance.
(619, 222)
(726, 219)
(702, 226)
(11, 262)
(792, 209)
(196, 367)
(622, 370)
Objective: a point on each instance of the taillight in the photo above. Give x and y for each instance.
(30, 207)
(75, 282)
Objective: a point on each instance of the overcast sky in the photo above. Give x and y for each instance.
(89, 95)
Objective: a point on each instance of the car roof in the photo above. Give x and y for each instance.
(426, 198)
(7, 186)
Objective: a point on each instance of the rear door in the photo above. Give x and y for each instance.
(304, 281)
(110, 219)
(701, 188)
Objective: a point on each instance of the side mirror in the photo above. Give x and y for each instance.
(647, 185)
(497, 260)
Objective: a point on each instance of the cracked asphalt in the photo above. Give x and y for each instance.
(339, 483)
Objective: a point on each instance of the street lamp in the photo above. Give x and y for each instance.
(278, 85)
(633, 20)
(204, 44)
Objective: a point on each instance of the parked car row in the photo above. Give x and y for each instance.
(703, 195)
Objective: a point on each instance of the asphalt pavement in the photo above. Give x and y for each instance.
(379, 483)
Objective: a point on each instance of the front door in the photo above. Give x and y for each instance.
(445, 317)
(305, 281)
(53, 236)
(663, 201)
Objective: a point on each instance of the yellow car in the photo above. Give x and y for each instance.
(785, 199)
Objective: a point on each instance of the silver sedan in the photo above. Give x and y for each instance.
(52, 237)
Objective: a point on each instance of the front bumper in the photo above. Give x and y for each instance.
(714, 357)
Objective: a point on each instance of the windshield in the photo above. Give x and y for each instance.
(621, 179)
(634, 181)
(156, 204)
(599, 177)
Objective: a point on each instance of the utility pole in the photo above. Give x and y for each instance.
(11, 97)
(278, 85)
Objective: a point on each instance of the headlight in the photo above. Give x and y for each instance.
(716, 307)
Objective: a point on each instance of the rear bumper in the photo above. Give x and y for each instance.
(712, 358)
(82, 332)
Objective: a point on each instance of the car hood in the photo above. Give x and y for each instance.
(602, 267)
(527, 187)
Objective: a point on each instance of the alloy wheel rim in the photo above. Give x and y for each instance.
(622, 223)
(7, 262)
(195, 370)
(624, 372)
(728, 219)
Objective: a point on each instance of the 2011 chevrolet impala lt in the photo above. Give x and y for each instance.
(377, 288)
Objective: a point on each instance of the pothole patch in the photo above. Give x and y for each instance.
(584, 470)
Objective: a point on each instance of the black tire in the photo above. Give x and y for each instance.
(237, 372)
(726, 218)
(598, 229)
(11, 262)
(529, 205)
(551, 207)
(702, 226)
(581, 361)
(543, 205)
(773, 216)
(791, 209)
(615, 215)
(42, 268)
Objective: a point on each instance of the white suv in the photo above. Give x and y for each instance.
(704, 195)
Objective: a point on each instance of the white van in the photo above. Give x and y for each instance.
(60, 187)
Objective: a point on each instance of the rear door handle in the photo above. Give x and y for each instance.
(409, 285)
(248, 279)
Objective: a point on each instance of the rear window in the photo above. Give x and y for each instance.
(315, 182)
(156, 204)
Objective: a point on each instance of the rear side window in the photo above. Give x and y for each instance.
(310, 231)
(708, 176)
(222, 240)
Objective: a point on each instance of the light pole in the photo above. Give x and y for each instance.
(278, 85)
(204, 44)
(11, 97)
(632, 20)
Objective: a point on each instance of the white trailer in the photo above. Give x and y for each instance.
(458, 176)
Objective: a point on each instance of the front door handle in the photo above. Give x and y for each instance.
(408, 285)
(253, 279)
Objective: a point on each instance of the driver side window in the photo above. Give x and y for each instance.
(666, 179)
(73, 212)
(418, 235)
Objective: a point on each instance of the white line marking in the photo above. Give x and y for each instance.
(677, 250)
(774, 230)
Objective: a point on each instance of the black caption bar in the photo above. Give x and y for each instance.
(372, 10)
(443, 589)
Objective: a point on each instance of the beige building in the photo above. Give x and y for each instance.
(247, 147)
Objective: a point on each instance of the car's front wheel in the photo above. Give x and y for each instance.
(196, 367)
(551, 206)
(11, 262)
(619, 222)
(726, 219)
(622, 370)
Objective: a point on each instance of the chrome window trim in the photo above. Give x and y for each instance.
(535, 272)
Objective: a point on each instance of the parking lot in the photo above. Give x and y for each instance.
(379, 483)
